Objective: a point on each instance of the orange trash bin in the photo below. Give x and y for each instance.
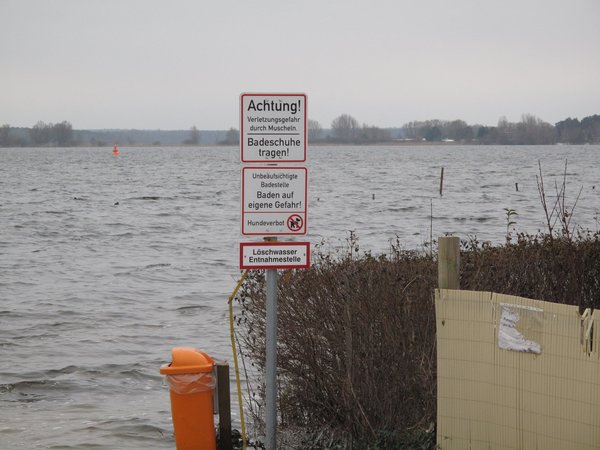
(191, 381)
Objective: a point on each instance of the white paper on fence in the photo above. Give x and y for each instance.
(517, 324)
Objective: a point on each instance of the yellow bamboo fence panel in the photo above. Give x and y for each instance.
(516, 373)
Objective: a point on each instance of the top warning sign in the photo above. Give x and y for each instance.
(273, 127)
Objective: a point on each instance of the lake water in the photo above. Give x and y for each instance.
(106, 262)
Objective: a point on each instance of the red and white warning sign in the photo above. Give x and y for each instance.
(274, 201)
(273, 128)
(274, 255)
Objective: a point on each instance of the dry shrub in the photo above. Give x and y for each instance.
(552, 269)
(356, 344)
(356, 336)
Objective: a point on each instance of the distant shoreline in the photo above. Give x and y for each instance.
(529, 131)
(316, 144)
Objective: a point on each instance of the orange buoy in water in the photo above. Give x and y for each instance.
(115, 150)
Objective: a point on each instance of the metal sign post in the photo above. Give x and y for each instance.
(271, 361)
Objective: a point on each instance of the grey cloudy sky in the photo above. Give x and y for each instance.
(173, 64)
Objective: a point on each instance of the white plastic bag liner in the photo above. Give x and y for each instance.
(191, 383)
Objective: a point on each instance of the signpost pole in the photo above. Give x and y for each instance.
(271, 362)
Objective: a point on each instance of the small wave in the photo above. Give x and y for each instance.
(43, 376)
(190, 308)
(117, 371)
(121, 371)
(135, 429)
(402, 209)
(72, 379)
(34, 336)
(569, 174)
(65, 370)
(152, 266)
(138, 271)
(77, 447)
(140, 432)
(35, 390)
(151, 198)
(155, 278)
(123, 235)
(123, 274)
(63, 326)
(6, 344)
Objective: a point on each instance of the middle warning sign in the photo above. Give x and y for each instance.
(274, 201)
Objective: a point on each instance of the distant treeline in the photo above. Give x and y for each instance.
(63, 135)
(529, 131)
(345, 129)
(41, 134)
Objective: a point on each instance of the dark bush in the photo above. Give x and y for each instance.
(556, 270)
(356, 336)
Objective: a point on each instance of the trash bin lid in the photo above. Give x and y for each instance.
(187, 360)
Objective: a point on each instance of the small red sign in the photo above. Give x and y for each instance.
(274, 255)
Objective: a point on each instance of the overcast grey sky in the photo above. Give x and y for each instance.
(173, 64)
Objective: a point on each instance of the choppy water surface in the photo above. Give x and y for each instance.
(106, 262)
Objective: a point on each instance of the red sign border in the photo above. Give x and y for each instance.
(255, 94)
(284, 243)
(289, 233)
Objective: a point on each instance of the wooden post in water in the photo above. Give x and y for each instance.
(448, 262)
(431, 228)
(441, 182)
(225, 442)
